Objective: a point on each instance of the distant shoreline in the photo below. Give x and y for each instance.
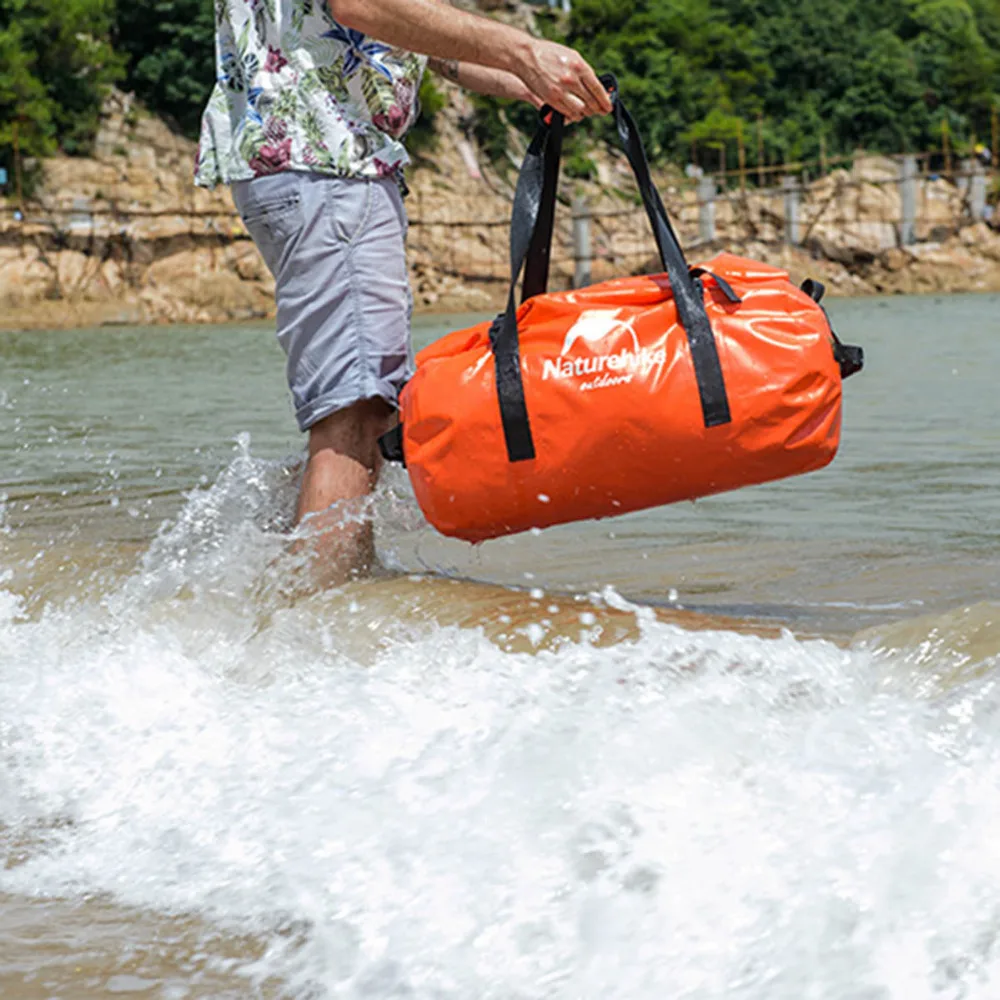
(56, 317)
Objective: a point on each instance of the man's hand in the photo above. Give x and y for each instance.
(551, 73)
(562, 78)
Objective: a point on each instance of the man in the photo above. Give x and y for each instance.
(306, 123)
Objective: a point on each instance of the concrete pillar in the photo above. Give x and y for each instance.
(582, 254)
(82, 217)
(792, 194)
(908, 198)
(706, 209)
(977, 190)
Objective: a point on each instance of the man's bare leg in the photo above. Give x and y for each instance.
(343, 465)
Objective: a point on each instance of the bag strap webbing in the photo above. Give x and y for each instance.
(536, 265)
(390, 444)
(531, 227)
(531, 239)
(687, 291)
(532, 224)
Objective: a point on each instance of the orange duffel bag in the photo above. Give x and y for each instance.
(632, 393)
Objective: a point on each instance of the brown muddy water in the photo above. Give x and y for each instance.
(743, 748)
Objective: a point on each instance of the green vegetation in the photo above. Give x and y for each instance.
(432, 100)
(58, 58)
(169, 46)
(55, 63)
(792, 75)
(845, 73)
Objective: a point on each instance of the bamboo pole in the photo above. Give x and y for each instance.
(995, 126)
(946, 147)
(743, 160)
(760, 151)
(17, 168)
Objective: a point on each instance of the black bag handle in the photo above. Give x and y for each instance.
(530, 230)
(688, 294)
(531, 237)
(536, 265)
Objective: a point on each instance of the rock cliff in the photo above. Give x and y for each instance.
(125, 237)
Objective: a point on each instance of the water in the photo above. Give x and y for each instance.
(740, 748)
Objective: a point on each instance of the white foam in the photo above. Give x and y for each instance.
(686, 814)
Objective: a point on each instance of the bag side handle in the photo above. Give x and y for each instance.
(850, 359)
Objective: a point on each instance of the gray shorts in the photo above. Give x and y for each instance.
(336, 248)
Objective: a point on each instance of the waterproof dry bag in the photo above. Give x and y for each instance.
(632, 393)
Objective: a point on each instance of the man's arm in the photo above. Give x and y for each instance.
(483, 80)
(555, 74)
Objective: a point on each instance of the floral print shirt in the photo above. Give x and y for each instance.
(296, 90)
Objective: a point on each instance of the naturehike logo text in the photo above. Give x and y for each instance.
(607, 370)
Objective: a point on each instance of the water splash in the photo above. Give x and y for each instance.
(395, 805)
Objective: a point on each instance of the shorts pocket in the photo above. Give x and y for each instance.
(272, 209)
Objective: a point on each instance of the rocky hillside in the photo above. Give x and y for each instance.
(125, 237)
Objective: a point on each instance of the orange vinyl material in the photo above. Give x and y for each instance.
(614, 405)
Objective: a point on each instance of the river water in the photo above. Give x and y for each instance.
(744, 748)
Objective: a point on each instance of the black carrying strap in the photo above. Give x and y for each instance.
(531, 227)
(536, 266)
(687, 290)
(531, 240)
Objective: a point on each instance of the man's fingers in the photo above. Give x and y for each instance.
(576, 109)
(595, 90)
(568, 105)
(576, 82)
(574, 101)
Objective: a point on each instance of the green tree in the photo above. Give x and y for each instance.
(170, 50)
(676, 60)
(844, 73)
(955, 47)
(421, 140)
(56, 64)
(25, 106)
